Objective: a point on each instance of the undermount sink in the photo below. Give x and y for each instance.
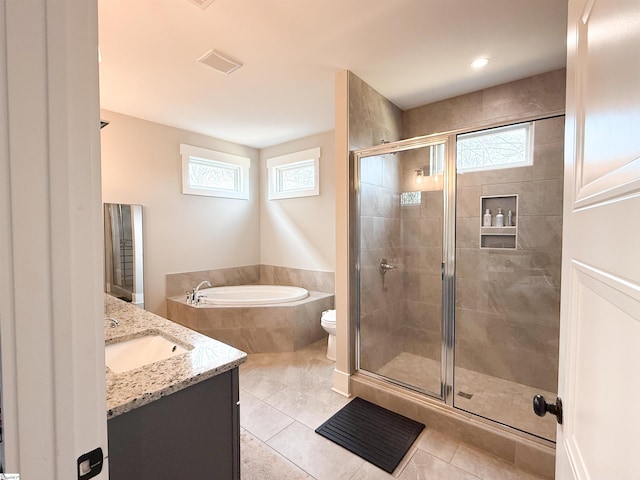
(137, 352)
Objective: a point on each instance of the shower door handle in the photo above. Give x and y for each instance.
(541, 407)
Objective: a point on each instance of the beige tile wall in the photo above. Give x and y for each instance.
(257, 329)
(309, 279)
(400, 312)
(382, 308)
(506, 103)
(508, 301)
(180, 283)
(373, 119)
(422, 259)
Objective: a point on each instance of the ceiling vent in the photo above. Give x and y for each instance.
(220, 62)
(202, 3)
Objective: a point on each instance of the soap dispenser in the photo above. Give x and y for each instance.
(486, 222)
(500, 218)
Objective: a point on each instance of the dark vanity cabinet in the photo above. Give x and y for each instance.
(191, 434)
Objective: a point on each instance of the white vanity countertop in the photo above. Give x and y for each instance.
(138, 387)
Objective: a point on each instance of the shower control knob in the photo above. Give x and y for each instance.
(384, 267)
(541, 407)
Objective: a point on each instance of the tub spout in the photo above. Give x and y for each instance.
(204, 282)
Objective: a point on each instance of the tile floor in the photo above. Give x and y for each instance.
(285, 396)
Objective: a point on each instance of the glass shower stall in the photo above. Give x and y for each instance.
(457, 267)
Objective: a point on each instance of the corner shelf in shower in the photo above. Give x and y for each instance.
(499, 237)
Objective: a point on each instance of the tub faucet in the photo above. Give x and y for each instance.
(204, 282)
(193, 297)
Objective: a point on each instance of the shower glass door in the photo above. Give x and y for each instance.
(507, 288)
(400, 219)
(124, 271)
(463, 229)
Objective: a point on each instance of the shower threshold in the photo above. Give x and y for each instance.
(490, 397)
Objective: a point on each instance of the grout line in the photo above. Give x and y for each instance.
(454, 453)
(265, 444)
(281, 430)
(404, 462)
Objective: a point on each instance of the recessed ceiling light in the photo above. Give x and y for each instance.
(480, 62)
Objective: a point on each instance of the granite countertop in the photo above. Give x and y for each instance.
(206, 358)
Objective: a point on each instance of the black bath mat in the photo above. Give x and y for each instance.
(374, 433)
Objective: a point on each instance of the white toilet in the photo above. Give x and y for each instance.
(328, 322)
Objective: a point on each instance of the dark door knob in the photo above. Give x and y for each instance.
(541, 407)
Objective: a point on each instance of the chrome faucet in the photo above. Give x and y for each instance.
(193, 297)
(204, 282)
(113, 323)
(384, 266)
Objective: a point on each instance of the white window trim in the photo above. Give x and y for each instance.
(189, 152)
(290, 160)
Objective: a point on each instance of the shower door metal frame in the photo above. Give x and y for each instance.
(448, 255)
(449, 239)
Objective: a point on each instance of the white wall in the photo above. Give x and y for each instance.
(51, 301)
(141, 164)
(300, 232)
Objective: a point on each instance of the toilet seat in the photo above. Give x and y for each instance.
(328, 319)
(328, 322)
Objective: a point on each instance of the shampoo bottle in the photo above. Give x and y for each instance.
(510, 219)
(486, 222)
(499, 218)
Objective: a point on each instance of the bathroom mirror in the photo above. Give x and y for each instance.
(123, 272)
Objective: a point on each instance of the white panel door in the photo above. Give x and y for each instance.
(600, 326)
(51, 301)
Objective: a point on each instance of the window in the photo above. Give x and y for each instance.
(214, 174)
(294, 175)
(503, 147)
(436, 159)
(410, 198)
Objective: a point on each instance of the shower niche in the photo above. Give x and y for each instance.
(496, 235)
